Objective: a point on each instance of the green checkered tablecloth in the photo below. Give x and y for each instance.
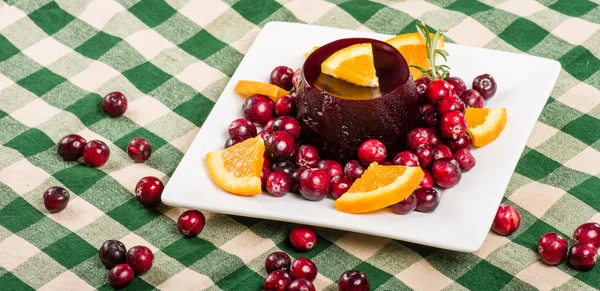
(172, 58)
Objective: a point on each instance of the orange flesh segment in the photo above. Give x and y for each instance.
(485, 124)
(249, 88)
(413, 49)
(354, 64)
(239, 160)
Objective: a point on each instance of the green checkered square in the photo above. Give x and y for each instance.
(98, 45)
(152, 12)
(453, 265)
(584, 128)
(7, 49)
(202, 45)
(241, 278)
(189, 250)
(10, 281)
(146, 77)
(485, 276)
(256, 11)
(163, 268)
(580, 63)
(468, 7)
(51, 18)
(361, 10)
(513, 34)
(535, 165)
(30, 142)
(332, 262)
(573, 8)
(41, 81)
(40, 261)
(79, 178)
(79, 250)
(122, 214)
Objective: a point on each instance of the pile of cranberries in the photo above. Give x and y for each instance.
(124, 264)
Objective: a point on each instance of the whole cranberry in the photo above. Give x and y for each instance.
(266, 170)
(296, 179)
(287, 124)
(424, 154)
(281, 77)
(114, 104)
(139, 149)
(278, 183)
(446, 172)
(269, 125)
(429, 115)
(441, 151)
(340, 185)
(331, 167)
(285, 106)
(303, 238)
(301, 285)
(70, 147)
(465, 159)
(120, 276)
(507, 220)
(437, 90)
(96, 153)
(149, 190)
(295, 78)
(453, 124)
(472, 98)
(277, 261)
(191, 223)
(140, 258)
(258, 109)
(353, 169)
(371, 151)
(111, 253)
(277, 281)
(303, 268)
(354, 280)
(427, 181)
(433, 136)
(314, 184)
(307, 156)
(421, 85)
(405, 206)
(406, 158)
(464, 141)
(417, 137)
(285, 166)
(583, 256)
(457, 85)
(280, 146)
(56, 199)
(428, 199)
(485, 85)
(232, 141)
(242, 128)
(553, 248)
(450, 103)
(588, 233)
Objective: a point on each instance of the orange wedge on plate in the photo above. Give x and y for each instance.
(353, 64)
(485, 124)
(237, 169)
(412, 47)
(249, 88)
(379, 187)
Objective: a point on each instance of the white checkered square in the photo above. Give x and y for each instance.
(521, 7)
(186, 280)
(35, 113)
(149, 43)
(200, 75)
(47, 51)
(587, 161)
(543, 277)
(94, 76)
(138, 109)
(203, 12)
(67, 281)
(582, 97)
(78, 214)
(575, 30)
(99, 12)
(10, 15)
(309, 10)
(130, 175)
(470, 32)
(422, 276)
(415, 8)
(23, 176)
(247, 245)
(536, 198)
(14, 251)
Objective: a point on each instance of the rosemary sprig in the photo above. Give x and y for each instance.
(432, 51)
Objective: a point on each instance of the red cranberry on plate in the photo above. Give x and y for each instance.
(287, 124)
(232, 141)
(303, 238)
(120, 276)
(433, 136)
(140, 258)
(242, 128)
(354, 280)
(417, 137)
(421, 85)
(507, 220)
(314, 184)
(191, 223)
(149, 190)
(353, 169)
(465, 159)
(424, 154)
(453, 124)
(56, 199)
(139, 149)
(406, 158)
(405, 206)
(96, 153)
(269, 125)
(437, 90)
(428, 199)
(266, 170)
(295, 78)
(285, 106)
(427, 181)
(285, 166)
(277, 281)
(485, 85)
(340, 185)
(472, 98)
(280, 146)
(450, 103)
(446, 172)
(464, 141)
(301, 285)
(588, 233)
(331, 167)
(281, 77)
(429, 115)
(111, 253)
(277, 261)
(114, 104)
(371, 151)
(553, 248)
(296, 179)
(258, 109)
(441, 151)
(457, 85)
(303, 268)
(278, 183)
(583, 256)
(70, 147)
(307, 156)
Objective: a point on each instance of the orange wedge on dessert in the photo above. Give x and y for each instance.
(237, 169)
(249, 88)
(412, 46)
(379, 187)
(485, 124)
(354, 64)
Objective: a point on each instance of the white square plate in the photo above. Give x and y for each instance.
(463, 218)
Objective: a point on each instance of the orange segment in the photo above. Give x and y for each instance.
(412, 47)
(379, 187)
(485, 124)
(237, 169)
(353, 64)
(249, 88)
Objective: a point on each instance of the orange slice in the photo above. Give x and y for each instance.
(353, 64)
(249, 88)
(485, 124)
(412, 47)
(380, 187)
(237, 169)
